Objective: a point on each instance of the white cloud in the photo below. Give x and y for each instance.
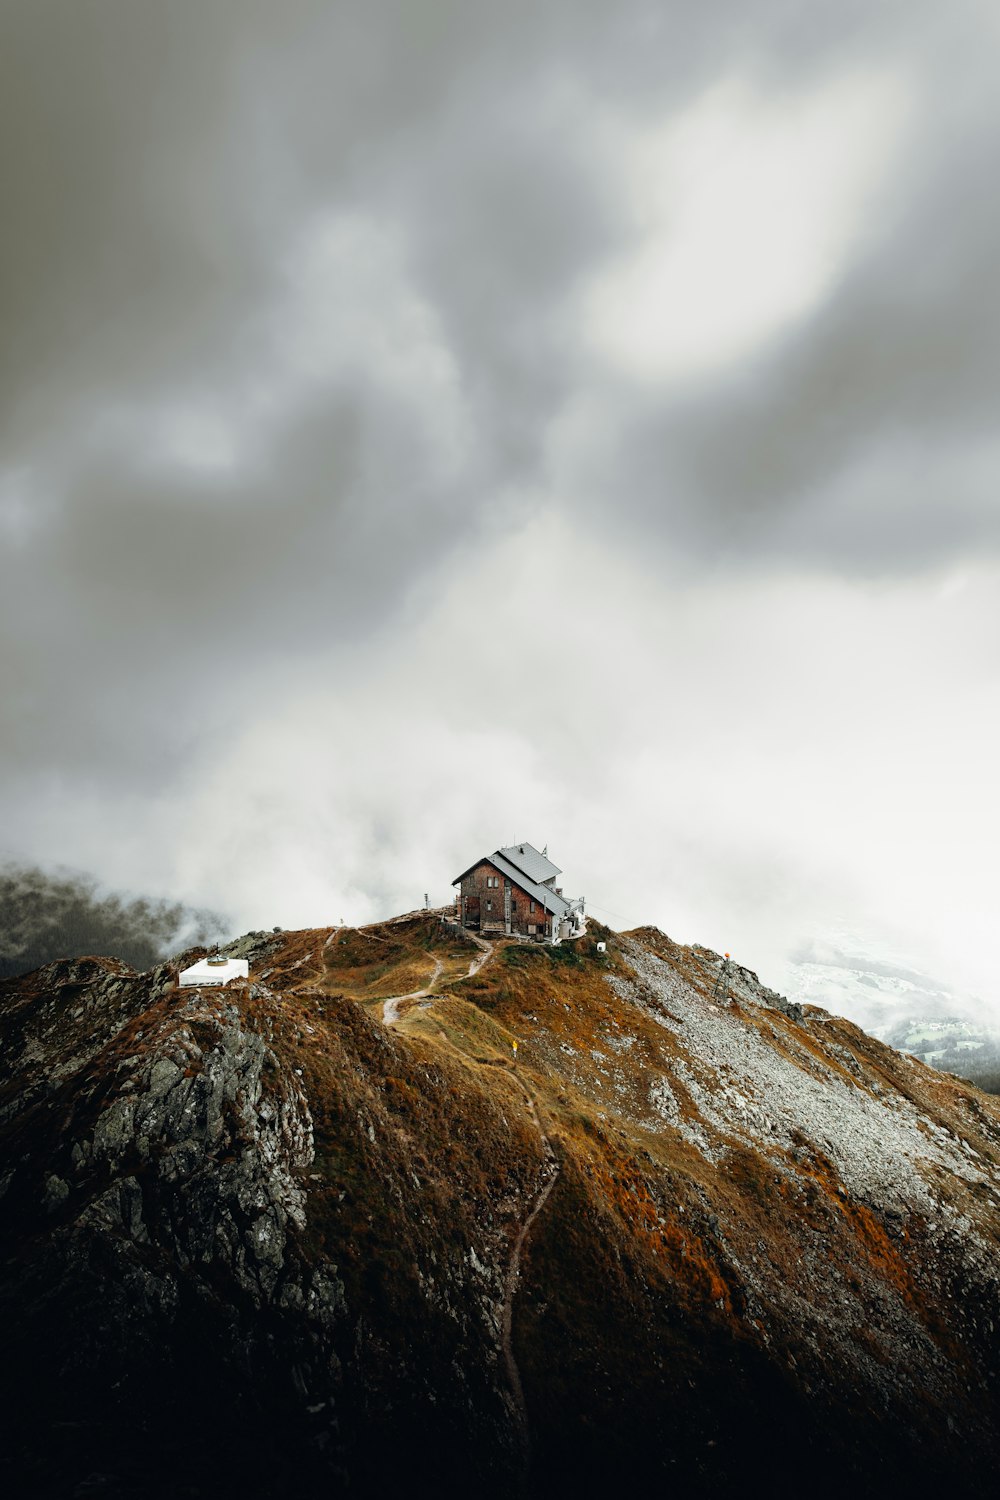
(749, 763)
(745, 211)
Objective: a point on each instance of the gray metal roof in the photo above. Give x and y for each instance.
(535, 865)
(541, 893)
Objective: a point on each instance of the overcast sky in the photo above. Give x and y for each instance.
(426, 425)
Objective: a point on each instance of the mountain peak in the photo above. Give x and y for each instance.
(591, 1213)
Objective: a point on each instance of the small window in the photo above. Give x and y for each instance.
(513, 904)
(489, 906)
(532, 908)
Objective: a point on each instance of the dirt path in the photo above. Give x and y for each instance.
(513, 1273)
(390, 1007)
(513, 1276)
(484, 957)
(390, 1014)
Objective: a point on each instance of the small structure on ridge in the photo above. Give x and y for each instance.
(512, 892)
(214, 970)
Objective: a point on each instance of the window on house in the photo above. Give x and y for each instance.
(489, 906)
(532, 905)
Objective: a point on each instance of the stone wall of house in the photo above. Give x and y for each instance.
(481, 905)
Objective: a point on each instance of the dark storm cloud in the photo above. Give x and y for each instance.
(867, 442)
(154, 604)
(863, 440)
(154, 157)
(160, 166)
(129, 249)
(165, 169)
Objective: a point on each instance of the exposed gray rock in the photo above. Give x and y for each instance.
(56, 1191)
(179, 1193)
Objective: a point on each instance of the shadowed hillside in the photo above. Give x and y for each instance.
(329, 1232)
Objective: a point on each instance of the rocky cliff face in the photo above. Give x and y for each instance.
(261, 1240)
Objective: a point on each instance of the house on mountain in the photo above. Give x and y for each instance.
(513, 893)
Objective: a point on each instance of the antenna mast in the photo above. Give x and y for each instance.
(722, 979)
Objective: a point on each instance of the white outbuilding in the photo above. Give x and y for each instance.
(214, 970)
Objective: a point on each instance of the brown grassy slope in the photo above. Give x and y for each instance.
(799, 1284)
(391, 958)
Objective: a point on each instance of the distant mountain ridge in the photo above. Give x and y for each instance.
(48, 915)
(955, 1032)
